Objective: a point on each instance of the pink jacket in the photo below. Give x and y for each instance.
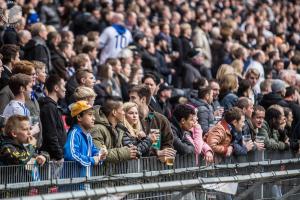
(196, 139)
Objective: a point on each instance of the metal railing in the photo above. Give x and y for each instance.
(27, 180)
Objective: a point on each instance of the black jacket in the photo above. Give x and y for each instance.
(10, 36)
(181, 144)
(54, 134)
(5, 75)
(154, 105)
(143, 145)
(270, 99)
(36, 49)
(59, 63)
(295, 110)
(71, 85)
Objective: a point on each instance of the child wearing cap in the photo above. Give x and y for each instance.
(79, 146)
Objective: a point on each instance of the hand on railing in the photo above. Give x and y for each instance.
(103, 153)
(133, 151)
(229, 151)
(96, 159)
(260, 146)
(166, 153)
(40, 159)
(209, 157)
(249, 145)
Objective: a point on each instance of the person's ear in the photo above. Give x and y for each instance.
(13, 134)
(56, 88)
(143, 100)
(22, 89)
(78, 118)
(182, 121)
(114, 112)
(82, 80)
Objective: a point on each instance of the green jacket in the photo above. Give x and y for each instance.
(272, 138)
(104, 135)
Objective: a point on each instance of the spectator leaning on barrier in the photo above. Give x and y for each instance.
(79, 146)
(274, 121)
(257, 120)
(152, 120)
(220, 137)
(18, 145)
(196, 139)
(54, 134)
(246, 105)
(109, 132)
(182, 123)
(135, 134)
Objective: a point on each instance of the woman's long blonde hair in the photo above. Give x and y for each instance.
(133, 129)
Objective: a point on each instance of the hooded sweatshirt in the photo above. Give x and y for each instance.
(105, 135)
(54, 134)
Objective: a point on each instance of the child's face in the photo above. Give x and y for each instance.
(22, 133)
(87, 120)
(41, 75)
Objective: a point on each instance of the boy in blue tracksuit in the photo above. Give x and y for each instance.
(79, 146)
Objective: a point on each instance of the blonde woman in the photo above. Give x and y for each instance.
(135, 135)
(223, 70)
(228, 87)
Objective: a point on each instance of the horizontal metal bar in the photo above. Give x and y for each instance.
(166, 186)
(151, 174)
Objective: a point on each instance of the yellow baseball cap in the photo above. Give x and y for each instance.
(78, 107)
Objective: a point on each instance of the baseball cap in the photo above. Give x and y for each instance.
(78, 107)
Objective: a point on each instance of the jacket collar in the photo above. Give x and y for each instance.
(226, 126)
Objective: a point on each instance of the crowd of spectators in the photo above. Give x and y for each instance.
(110, 81)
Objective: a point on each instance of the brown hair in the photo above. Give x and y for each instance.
(232, 114)
(17, 81)
(142, 91)
(13, 123)
(79, 61)
(82, 73)
(110, 105)
(23, 67)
